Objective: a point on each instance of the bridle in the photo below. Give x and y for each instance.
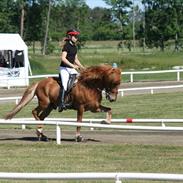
(107, 94)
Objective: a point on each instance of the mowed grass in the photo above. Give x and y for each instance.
(48, 157)
(106, 52)
(99, 157)
(99, 52)
(162, 105)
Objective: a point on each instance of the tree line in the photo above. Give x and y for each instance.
(148, 23)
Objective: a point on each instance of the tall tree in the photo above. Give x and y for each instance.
(34, 23)
(22, 6)
(177, 8)
(8, 16)
(101, 21)
(161, 22)
(47, 28)
(120, 10)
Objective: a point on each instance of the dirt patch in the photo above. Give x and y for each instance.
(97, 137)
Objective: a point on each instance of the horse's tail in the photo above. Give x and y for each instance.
(26, 98)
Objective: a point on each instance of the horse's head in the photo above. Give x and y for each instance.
(112, 79)
(102, 77)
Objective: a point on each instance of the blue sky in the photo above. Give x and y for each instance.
(96, 3)
(101, 3)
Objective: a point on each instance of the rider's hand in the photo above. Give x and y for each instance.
(76, 67)
(82, 68)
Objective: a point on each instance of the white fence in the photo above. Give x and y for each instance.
(177, 71)
(59, 123)
(151, 88)
(131, 73)
(121, 91)
(118, 177)
(124, 120)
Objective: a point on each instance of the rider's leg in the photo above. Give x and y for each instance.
(71, 81)
(64, 79)
(62, 97)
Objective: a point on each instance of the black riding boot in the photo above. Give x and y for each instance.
(61, 105)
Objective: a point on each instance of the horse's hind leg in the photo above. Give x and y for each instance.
(42, 116)
(41, 113)
(36, 112)
(46, 112)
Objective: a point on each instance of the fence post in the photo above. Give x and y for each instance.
(16, 101)
(58, 134)
(152, 91)
(117, 180)
(23, 127)
(131, 77)
(163, 124)
(91, 127)
(8, 84)
(178, 75)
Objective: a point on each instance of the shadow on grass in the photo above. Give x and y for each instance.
(35, 139)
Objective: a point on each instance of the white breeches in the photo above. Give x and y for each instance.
(64, 73)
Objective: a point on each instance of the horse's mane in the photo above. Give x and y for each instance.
(93, 73)
(101, 76)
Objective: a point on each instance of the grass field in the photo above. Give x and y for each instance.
(48, 157)
(169, 105)
(95, 53)
(99, 157)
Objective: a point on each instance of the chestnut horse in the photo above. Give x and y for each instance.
(86, 94)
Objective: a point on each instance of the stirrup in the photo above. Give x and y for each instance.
(62, 107)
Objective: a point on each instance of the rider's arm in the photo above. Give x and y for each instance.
(78, 63)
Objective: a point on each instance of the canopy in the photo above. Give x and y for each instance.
(10, 73)
(11, 42)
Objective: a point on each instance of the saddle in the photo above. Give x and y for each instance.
(70, 85)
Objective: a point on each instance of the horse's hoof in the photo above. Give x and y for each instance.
(41, 136)
(60, 109)
(105, 122)
(79, 138)
(44, 138)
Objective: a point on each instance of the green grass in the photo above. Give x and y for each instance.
(163, 105)
(95, 53)
(48, 157)
(99, 157)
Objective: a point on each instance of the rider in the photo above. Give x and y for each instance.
(69, 63)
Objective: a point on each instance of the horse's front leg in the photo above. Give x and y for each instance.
(108, 111)
(79, 137)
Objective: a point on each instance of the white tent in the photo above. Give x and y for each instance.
(14, 62)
